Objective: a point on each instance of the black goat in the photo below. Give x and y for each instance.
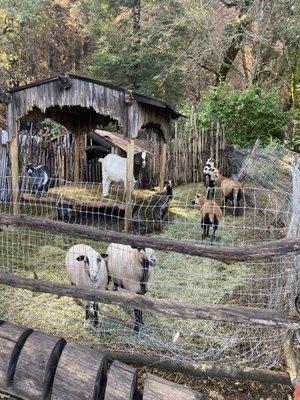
(148, 217)
(64, 212)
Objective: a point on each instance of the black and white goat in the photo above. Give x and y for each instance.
(131, 269)
(148, 216)
(38, 178)
(87, 268)
(64, 212)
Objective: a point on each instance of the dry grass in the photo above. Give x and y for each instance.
(177, 277)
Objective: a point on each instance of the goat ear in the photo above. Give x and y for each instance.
(104, 256)
(80, 258)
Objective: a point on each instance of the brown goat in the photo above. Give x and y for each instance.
(211, 215)
(230, 189)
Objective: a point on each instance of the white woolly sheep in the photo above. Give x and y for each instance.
(114, 169)
(87, 268)
(131, 269)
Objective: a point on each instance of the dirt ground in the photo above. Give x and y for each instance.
(214, 389)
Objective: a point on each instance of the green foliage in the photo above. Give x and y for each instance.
(52, 128)
(246, 115)
(148, 56)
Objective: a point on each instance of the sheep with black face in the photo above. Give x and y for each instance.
(87, 268)
(131, 269)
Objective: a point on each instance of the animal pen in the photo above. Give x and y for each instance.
(81, 104)
(221, 310)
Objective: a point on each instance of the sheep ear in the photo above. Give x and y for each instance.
(104, 256)
(137, 247)
(80, 258)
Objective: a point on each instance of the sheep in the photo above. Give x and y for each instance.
(211, 215)
(88, 269)
(38, 178)
(131, 269)
(148, 217)
(230, 189)
(114, 169)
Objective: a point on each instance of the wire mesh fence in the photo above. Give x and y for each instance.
(265, 214)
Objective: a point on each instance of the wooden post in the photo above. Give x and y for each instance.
(14, 162)
(77, 142)
(129, 183)
(163, 163)
(13, 131)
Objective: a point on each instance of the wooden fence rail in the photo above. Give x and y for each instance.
(228, 254)
(212, 312)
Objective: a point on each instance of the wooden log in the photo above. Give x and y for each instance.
(14, 162)
(160, 389)
(12, 339)
(228, 254)
(202, 370)
(78, 204)
(291, 359)
(129, 183)
(121, 382)
(34, 373)
(163, 163)
(80, 374)
(212, 312)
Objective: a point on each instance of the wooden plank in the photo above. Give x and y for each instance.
(80, 374)
(14, 163)
(212, 312)
(12, 339)
(228, 254)
(77, 143)
(203, 369)
(129, 183)
(36, 366)
(160, 389)
(121, 382)
(163, 161)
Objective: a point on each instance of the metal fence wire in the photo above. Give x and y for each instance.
(269, 210)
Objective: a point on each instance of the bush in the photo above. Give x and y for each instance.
(246, 115)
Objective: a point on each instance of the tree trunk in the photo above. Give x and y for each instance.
(235, 45)
(136, 14)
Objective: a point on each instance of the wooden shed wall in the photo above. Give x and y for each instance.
(104, 100)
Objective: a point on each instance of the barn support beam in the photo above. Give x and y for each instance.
(129, 183)
(162, 166)
(13, 130)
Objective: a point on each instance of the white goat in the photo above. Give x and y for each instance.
(131, 269)
(114, 169)
(87, 268)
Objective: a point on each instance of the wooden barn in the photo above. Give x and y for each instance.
(83, 104)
